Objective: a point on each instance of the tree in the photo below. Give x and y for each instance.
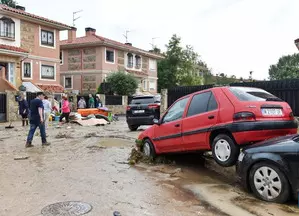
(286, 68)
(122, 83)
(181, 66)
(10, 3)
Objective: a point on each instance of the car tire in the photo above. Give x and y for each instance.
(148, 149)
(133, 127)
(276, 181)
(224, 150)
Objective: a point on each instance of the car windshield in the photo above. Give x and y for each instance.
(143, 100)
(253, 94)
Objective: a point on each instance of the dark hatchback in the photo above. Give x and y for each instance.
(270, 169)
(142, 111)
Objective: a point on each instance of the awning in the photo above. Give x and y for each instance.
(30, 87)
(55, 88)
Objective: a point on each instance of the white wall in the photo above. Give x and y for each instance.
(17, 41)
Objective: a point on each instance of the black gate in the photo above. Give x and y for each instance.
(3, 105)
(30, 96)
(180, 91)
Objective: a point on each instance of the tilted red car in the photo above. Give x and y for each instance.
(219, 119)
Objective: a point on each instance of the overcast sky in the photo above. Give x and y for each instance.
(232, 36)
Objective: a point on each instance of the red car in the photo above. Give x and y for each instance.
(219, 119)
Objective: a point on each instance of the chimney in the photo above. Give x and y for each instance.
(72, 34)
(19, 7)
(129, 44)
(90, 31)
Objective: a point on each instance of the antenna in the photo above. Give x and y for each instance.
(75, 18)
(126, 35)
(153, 42)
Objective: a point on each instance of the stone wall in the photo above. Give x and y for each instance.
(12, 106)
(27, 36)
(164, 101)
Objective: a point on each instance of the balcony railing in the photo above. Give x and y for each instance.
(9, 35)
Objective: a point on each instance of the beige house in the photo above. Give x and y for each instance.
(29, 50)
(86, 62)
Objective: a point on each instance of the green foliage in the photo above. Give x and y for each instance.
(122, 83)
(286, 68)
(10, 3)
(181, 66)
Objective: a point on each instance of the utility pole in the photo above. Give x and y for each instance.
(126, 35)
(75, 18)
(153, 42)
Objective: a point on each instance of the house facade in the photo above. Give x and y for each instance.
(29, 50)
(87, 61)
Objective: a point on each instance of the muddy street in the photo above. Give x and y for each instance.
(90, 164)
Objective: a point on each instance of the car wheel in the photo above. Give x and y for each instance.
(269, 183)
(225, 151)
(148, 149)
(133, 127)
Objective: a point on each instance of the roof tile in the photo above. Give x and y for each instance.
(51, 88)
(12, 48)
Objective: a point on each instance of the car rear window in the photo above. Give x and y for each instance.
(143, 100)
(253, 94)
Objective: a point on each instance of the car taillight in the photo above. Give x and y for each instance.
(291, 115)
(128, 108)
(244, 116)
(153, 106)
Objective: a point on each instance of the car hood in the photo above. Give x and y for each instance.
(282, 144)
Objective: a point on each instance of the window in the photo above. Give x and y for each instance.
(7, 28)
(143, 100)
(252, 94)
(152, 65)
(61, 57)
(110, 56)
(199, 104)
(47, 38)
(27, 70)
(152, 85)
(130, 60)
(176, 111)
(144, 84)
(68, 82)
(138, 62)
(47, 72)
(212, 103)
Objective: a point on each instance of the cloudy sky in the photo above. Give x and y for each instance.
(232, 36)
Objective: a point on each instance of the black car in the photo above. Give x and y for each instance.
(142, 111)
(271, 168)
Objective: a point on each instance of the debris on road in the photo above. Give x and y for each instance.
(90, 122)
(89, 135)
(63, 135)
(21, 158)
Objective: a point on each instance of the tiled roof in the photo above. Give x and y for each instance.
(92, 39)
(12, 48)
(51, 88)
(24, 13)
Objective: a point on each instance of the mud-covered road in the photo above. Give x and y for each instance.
(89, 164)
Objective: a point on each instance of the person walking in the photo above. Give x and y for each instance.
(37, 120)
(47, 110)
(65, 110)
(91, 101)
(23, 109)
(82, 103)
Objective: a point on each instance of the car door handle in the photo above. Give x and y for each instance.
(211, 117)
(177, 125)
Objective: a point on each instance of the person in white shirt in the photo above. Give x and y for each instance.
(47, 110)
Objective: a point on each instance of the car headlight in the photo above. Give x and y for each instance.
(241, 156)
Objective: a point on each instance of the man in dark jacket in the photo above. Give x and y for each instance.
(23, 109)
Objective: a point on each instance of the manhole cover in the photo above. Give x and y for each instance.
(66, 209)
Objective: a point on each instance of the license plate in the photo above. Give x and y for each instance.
(272, 112)
(138, 111)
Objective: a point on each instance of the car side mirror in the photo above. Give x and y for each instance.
(156, 122)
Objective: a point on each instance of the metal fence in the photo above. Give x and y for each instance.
(113, 100)
(130, 98)
(3, 105)
(180, 91)
(287, 90)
